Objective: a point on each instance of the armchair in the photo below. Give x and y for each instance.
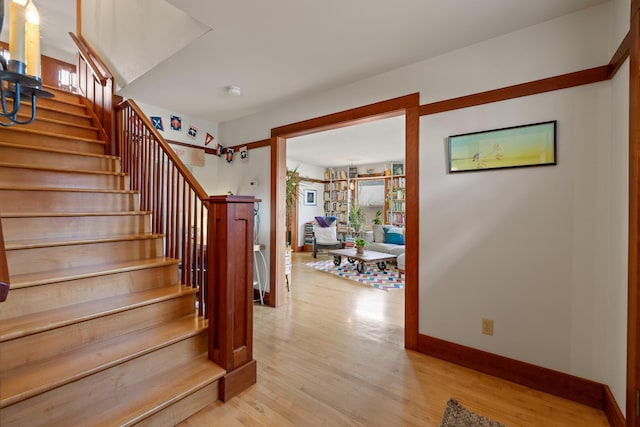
(325, 238)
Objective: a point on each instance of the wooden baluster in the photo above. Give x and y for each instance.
(4, 269)
(230, 290)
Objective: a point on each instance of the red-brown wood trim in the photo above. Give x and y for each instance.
(563, 81)
(621, 54)
(79, 17)
(611, 409)
(230, 289)
(570, 387)
(408, 105)
(633, 296)
(412, 177)
(95, 121)
(375, 111)
(97, 67)
(237, 381)
(236, 148)
(318, 181)
(277, 293)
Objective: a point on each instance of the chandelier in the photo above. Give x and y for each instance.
(20, 75)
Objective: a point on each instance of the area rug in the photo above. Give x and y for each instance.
(456, 415)
(384, 280)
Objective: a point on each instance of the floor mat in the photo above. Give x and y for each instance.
(384, 280)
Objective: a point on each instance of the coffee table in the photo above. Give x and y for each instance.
(380, 258)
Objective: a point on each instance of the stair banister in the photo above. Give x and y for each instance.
(213, 236)
(96, 84)
(4, 269)
(181, 211)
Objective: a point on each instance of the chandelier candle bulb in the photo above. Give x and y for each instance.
(33, 40)
(17, 29)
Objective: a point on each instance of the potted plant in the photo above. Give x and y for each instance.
(377, 219)
(292, 194)
(360, 244)
(356, 217)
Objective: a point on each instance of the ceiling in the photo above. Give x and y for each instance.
(281, 50)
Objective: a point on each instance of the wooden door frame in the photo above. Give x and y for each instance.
(633, 296)
(408, 106)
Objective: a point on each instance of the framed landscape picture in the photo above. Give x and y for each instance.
(518, 146)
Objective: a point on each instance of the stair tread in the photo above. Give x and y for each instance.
(62, 170)
(70, 214)
(76, 102)
(33, 379)
(45, 277)
(58, 135)
(59, 122)
(136, 402)
(57, 241)
(30, 324)
(56, 150)
(69, 189)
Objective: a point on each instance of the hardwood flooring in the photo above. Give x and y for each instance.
(334, 356)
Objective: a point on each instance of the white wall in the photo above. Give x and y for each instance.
(519, 246)
(219, 177)
(613, 296)
(541, 250)
(167, 29)
(203, 126)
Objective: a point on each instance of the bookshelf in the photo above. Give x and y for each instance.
(396, 196)
(308, 237)
(337, 195)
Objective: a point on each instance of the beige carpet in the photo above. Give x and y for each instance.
(456, 415)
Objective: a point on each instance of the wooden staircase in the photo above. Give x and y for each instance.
(97, 329)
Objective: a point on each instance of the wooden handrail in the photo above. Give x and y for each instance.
(4, 269)
(191, 180)
(182, 211)
(97, 67)
(212, 236)
(178, 203)
(96, 83)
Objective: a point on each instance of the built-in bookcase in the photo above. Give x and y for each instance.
(396, 196)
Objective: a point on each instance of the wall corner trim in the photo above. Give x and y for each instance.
(570, 387)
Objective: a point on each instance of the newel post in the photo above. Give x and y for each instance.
(230, 293)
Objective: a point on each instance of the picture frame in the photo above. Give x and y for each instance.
(397, 169)
(512, 147)
(310, 197)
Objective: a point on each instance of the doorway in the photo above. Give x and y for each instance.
(409, 107)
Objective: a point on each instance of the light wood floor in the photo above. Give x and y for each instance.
(334, 356)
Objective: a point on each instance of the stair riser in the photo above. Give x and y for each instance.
(22, 137)
(54, 407)
(62, 95)
(32, 260)
(184, 408)
(62, 128)
(66, 201)
(30, 157)
(82, 120)
(36, 347)
(73, 105)
(33, 299)
(53, 179)
(34, 228)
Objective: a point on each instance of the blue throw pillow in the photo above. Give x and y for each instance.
(393, 235)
